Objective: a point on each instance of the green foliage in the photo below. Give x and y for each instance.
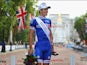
(80, 26)
(8, 23)
(23, 35)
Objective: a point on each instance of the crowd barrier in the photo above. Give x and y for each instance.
(13, 47)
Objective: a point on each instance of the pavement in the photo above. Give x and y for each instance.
(67, 56)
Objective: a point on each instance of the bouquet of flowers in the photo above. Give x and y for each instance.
(30, 60)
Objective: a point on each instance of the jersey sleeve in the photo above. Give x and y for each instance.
(32, 24)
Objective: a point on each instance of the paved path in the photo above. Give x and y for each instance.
(65, 55)
(62, 59)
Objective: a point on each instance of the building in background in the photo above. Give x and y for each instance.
(62, 28)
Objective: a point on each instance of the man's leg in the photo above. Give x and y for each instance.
(38, 54)
(47, 56)
(39, 63)
(45, 63)
(42, 63)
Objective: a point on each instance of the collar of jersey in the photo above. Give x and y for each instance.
(41, 17)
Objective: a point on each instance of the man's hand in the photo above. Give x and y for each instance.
(52, 48)
(30, 51)
(53, 52)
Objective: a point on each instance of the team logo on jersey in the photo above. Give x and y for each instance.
(46, 21)
(38, 26)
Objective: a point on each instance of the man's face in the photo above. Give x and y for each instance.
(44, 12)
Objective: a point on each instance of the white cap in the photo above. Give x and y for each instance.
(43, 6)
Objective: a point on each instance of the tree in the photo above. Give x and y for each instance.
(80, 26)
(8, 19)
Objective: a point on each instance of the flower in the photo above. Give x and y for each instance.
(30, 60)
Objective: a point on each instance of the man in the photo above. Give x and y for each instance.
(3, 46)
(43, 46)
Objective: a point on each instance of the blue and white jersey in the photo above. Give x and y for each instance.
(38, 30)
(42, 47)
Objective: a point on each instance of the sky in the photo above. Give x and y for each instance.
(73, 8)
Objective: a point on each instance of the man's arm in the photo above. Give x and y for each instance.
(31, 33)
(51, 37)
